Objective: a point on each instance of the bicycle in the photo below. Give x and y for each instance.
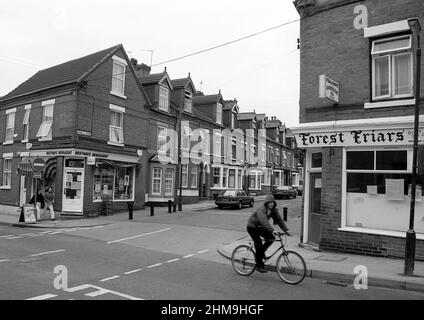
(291, 266)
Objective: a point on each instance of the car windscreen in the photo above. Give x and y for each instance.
(230, 193)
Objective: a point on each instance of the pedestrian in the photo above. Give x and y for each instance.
(49, 200)
(39, 202)
(258, 226)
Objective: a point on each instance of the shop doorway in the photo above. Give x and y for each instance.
(314, 230)
(73, 190)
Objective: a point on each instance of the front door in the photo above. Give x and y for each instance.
(315, 208)
(73, 190)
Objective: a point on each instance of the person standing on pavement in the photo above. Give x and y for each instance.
(49, 200)
(39, 202)
(258, 226)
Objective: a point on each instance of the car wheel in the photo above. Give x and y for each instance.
(252, 203)
(240, 205)
(219, 206)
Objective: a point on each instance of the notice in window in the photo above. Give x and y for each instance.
(395, 189)
(372, 190)
(318, 183)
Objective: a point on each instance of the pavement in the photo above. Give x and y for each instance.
(333, 267)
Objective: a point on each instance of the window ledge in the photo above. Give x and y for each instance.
(392, 103)
(117, 94)
(7, 142)
(44, 139)
(388, 233)
(113, 143)
(24, 141)
(5, 187)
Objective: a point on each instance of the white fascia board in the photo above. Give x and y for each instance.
(386, 29)
(116, 108)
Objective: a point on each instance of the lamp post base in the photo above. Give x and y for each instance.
(409, 252)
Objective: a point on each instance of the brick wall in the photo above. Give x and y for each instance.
(331, 238)
(331, 45)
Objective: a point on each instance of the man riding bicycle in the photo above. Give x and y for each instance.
(258, 226)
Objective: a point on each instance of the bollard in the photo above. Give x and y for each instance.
(285, 213)
(152, 210)
(169, 206)
(130, 209)
(174, 208)
(180, 206)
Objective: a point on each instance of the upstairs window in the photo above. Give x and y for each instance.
(25, 123)
(219, 113)
(188, 101)
(116, 127)
(162, 136)
(163, 98)
(118, 76)
(10, 126)
(7, 172)
(45, 130)
(392, 75)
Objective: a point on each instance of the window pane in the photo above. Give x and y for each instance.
(392, 160)
(358, 182)
(403, 81)
(360, 160)
(381, 76)
(316, 160)
(124, 183)
(232, 179)
(103, 181)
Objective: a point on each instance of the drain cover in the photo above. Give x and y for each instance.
(333, 258)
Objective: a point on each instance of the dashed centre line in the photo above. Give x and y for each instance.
(188, 256)
(154, 265)
(44, 297)
(110, 278)
(5, 260)
(203, 251)
(173, 260)
(140, 235)
(47, 252)
(133, 271)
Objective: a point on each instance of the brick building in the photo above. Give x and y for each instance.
(358, 63)
(86, 118)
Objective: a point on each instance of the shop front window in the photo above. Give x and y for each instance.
(232, 178)
(378, 189)
(116, 183)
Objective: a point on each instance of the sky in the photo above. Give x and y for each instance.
(261, 72)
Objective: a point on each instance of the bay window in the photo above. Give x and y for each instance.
(157, 181)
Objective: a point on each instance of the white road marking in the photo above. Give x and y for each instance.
(188, 256)
(43, 297)
(15, 237)
(47, 252)
(56, 232)
(140, 235)
(110, 278)
(133, 271)
(26, 234)
(203, 251)
(97, 293)
(10, 235)
(173, 260)
(4, 260)
(154, 265)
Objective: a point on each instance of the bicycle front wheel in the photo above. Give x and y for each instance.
(291, 267)
(243, 260)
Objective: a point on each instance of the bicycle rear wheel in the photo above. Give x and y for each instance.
(243, 260)
(291, 267)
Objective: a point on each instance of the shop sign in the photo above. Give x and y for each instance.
(84, 133)
(36, 175)
(358, 138)
(38, 164)
(91, 161)
(328, 88)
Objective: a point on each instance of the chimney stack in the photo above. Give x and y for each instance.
(141, 70)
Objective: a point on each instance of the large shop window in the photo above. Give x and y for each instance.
(392, 68)
(378, 184)
(114, 182)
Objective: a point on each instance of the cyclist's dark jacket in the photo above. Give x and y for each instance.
(260, 219)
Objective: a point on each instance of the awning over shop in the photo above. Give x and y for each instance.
(25, 169)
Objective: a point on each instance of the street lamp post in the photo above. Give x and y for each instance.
(410, 234)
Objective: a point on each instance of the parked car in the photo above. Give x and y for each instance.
(284, 192)
(234, 198)
(299, 189)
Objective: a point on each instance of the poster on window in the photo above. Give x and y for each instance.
(127, 180)
(97, 187)
(395, 189)
(372, 190)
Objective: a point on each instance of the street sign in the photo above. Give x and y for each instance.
(38, 164)
(36, 174)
